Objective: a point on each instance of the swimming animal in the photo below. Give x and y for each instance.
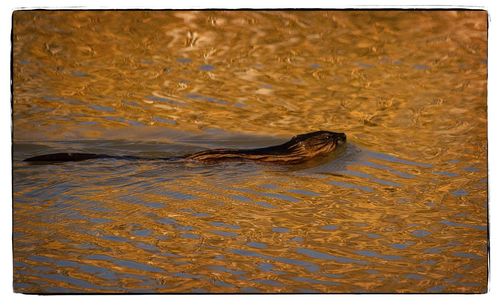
(299, 149)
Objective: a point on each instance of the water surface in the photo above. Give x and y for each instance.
(402, 209)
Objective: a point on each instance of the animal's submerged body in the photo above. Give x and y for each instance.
(299, 149)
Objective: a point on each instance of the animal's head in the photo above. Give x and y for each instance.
(317, 143)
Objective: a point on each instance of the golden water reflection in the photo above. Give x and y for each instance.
(403, 210)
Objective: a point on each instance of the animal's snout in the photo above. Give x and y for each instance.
(341, 138)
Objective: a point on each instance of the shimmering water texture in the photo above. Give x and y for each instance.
(403, 208)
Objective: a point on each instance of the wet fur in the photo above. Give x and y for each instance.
(299, 149)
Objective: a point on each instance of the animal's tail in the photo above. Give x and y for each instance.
(73, 157)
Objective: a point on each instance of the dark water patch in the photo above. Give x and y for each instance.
(387, 168)
(265, 204)
(19, 264)
(224, 233)
(187, 275)
(372, 271)
(21, 286)
(269, 186)
(333, 275)
(464, 225)
(258, 245)
(50, 192)
(436, 289)
(102, 108)
(98, 220)
(124, 263)
(431, 262)
(471, 169)
(400, 246)
(445, 173)
(222, 284)
(414, 276)
(185, 228)
(164, 120)
(147, 247)
(88, 246)
(307, 290)
(196, 96)
(167, 221)
(279, 196)
(421, 67)
(114, 238)
(79, 74)
(280, 230)
(131, 103)
(44, 269)
(72, 281)
(420, 233)
(199, 290)
(183, 60)
(329, 227)
(125, 121)
(266, 267)
(390, 158)
(352, 186)
(364, 65)
(314, 281)
(141, 232)
(297, 239)
(207, 68)
(303, 192)
(164, 100)
(92, 205)
(198, 214)
(140, 201)
(62, 290)
(459, 193)
(224, 225)
(176, 195)
(241, 198)
(97, 271)
(373, 235)
(89, 123)
(308, 266)
(269, 282)
(325, 256)
(469, 284)
(433, 250)
(466, 255)
(378, 255)
(190, 236)
(39, 258)
(314, 66)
